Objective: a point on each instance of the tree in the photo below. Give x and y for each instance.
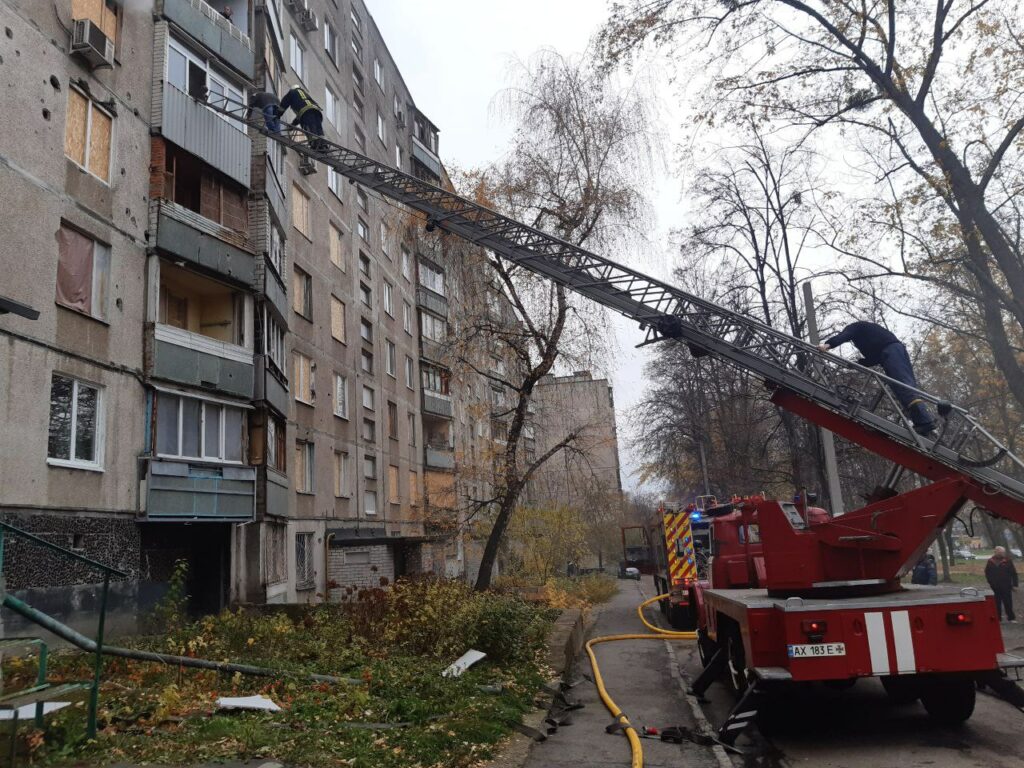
(928, 98)
(574, 169)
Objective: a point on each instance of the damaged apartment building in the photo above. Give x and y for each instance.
(238, 359)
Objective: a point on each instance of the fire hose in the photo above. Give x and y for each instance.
(620, 718)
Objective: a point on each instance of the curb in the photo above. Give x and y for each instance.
(564, 643)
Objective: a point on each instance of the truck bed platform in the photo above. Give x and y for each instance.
(911, 595)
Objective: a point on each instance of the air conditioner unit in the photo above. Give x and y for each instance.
(89, 42)
(307, 20)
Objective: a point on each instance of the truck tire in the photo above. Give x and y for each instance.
(736, 661)
(902, 690)
(949, 701)
(706, 647)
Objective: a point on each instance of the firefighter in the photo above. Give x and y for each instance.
(1002, 578)
(880, 347)
(308, 115)
(925, 571)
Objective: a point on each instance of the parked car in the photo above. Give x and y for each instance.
(630, 573)
(1015, 552)
(964, 554)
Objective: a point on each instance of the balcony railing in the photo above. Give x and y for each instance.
(437, 404)
(191, 358)
(440, 457)
(185, 233)
(426, 157)
(212, 29)
(206, 134)
(193, 492)
(431, 350)
(432, 301)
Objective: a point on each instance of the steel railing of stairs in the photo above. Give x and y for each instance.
(855, 392)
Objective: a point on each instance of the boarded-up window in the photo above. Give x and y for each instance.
(300, 210)
(102, 13)
(393, 484)
(83, 269)
(87, 135)
(414, 493)
(335, 244)
(302, 378)
(303, 466)
(302, 293)
(337, 319)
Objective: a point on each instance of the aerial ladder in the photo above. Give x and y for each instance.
(805, 562)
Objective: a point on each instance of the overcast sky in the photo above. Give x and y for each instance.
(455, 56)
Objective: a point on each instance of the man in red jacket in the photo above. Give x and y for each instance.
(1002, 577)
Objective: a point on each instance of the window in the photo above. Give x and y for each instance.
(390, 365)
(192, 74)
(357, 107)
(407, 317)
(365, 294)
(303, 466)
(297, 58)
(414, 492)
(434, 379)
(370, 502)
(368, 398)
(369, 430)
(341, 482)
(87, 135)
(302, 378)
(363, 201)
(335, 248)
(203, 307)
(338, 319)
(399, 157)
(392, 420)
(83, 271)
(359, 137)
(433, 328)
(190, 428)
(302, 293)
(406, 263)
(411, 418)
(334, 182)
(276, 250)
(370, 467)
(331, 42)
(396, 107)
(432, 277)
(385, 240)
(357, 50)
(393, 484)
(300, 211)
(357, 76)
(366, 330)
(357, 22)
(366, 361)
(364, 234)
(102, 13)
(409, 373)
(377, 74)
(303, 560)
(276, 432)
(76, 424)
(332, 109)
(340, 396)
(382, 133)
(273, 340)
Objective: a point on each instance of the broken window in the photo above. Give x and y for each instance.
(87, 135)
(193, 184)
(200, 305)
(83, 272)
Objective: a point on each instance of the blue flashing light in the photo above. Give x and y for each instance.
(695, 515)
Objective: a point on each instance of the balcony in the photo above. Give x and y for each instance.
(431, 301)
(440, 457)
(186, 234)
(196, 360)
(205, 134)
(427, 158)
(269, 386)
(210, 27)
(191, 492)
(431, 350)
(436, 404)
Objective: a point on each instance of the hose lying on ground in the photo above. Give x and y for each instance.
(659, 634)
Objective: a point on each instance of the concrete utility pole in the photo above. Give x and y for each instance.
(828, 445)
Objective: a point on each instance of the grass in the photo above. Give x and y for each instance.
(397, 641)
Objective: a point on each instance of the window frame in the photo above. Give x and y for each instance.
(99, 436)
(299, 194)
(331, 42)
(410, 373)
(340, 407)
(407, 317)
(389, 299)
(274, 345)
(90, 106)
(337, 305)
(341, 471)
(332, 231)
(105, 252)
(293, 46)
(308, 473)
(370, 509)
(392, 420)
(302, 277)
(306, 577)
(222, 432)
(382, 130)
(390, 358)
(298, 376)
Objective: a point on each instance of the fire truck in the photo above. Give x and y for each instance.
(794, 594)
(680, 546)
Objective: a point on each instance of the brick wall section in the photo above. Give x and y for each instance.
(347, 574)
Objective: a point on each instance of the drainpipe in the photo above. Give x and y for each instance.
(327, 575)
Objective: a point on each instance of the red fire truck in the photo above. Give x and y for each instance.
(680, 544)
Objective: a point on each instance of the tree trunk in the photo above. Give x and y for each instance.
(944, 559)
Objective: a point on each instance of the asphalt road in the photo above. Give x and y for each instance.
(861, 727)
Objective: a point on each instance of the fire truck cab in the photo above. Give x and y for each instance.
(680, 538)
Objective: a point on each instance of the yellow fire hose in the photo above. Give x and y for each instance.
(659, 634)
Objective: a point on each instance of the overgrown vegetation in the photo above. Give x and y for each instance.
(396, 640)
(560, 592)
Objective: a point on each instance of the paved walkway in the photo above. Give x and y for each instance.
(640, 676)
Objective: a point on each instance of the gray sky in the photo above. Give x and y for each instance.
(454, 56)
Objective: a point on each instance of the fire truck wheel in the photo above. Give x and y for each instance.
(949, 701)
(902, 690)
(736, 665)
(706, 647)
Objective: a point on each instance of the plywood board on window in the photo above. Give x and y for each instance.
(99, 144)
(76, 126)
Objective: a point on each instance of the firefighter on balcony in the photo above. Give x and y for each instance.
(880, 347)
(308, 115)
(270, 106)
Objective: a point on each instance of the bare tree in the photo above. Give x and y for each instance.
(928, 97)
(572, 170)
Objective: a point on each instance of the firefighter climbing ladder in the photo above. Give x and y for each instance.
(859, 394)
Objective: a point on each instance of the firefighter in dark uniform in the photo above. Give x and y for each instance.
(880, 347)
(308, 115)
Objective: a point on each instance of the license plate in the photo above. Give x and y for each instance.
(816, 650)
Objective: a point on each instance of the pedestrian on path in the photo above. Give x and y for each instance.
(1002, 578)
